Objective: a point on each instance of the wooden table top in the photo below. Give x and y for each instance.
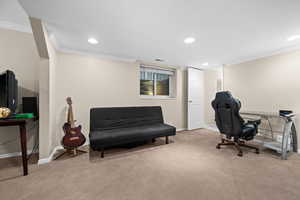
(15, 122)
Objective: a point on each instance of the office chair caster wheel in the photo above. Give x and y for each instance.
(257, 151)
(218, 147)
(240, 154)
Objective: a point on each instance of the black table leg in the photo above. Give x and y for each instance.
(24, 148)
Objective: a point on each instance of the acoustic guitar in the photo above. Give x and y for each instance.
(73, 137)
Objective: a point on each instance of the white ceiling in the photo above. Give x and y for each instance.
(226, 31)
(12, 15)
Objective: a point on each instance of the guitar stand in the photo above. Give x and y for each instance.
(70, 151)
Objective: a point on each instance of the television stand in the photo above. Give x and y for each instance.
(23, 137)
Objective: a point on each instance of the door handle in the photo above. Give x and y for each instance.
(190, 101)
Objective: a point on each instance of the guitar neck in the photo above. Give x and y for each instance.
(71, 116)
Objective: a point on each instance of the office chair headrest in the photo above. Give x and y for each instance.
(224, 99)
(223, 96)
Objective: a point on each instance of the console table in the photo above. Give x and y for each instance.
(23, 137)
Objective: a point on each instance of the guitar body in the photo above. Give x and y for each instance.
(73, 136)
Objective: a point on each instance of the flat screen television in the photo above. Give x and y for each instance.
(9, 91)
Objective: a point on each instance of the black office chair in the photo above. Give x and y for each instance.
(231, 124)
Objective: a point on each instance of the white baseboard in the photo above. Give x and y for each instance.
(15, 154)
(206, 126)
(50, 158)
(211, 127)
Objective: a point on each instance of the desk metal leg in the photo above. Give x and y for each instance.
(270, 126)
(294, 137)
(285, 139)
(24, 148)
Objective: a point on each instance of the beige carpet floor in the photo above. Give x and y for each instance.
(188, 168)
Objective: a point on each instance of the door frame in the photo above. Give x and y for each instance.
(189, 101)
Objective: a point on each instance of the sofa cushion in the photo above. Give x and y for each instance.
(124, 117)
(110, 137)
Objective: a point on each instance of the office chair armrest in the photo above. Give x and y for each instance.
(255, 122)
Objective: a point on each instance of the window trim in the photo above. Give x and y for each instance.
(171, 82)
(156, 97)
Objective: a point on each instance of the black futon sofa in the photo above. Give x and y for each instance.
(124, 125)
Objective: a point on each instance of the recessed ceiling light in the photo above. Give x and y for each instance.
(93, 41)
(189, 40)
(205, 64)
(294, 37)
(159, 60)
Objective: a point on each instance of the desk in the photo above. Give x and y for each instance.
(23, 137)
(288, 134)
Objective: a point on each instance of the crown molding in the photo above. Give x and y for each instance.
(54, 41)
(61, 49)
(16, 27)
(96, 55)
(215, 67)
(265, 55)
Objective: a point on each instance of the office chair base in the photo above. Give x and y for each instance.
(238, 144)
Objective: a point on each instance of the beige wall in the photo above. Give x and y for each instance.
(94, 82)
(267, 84)
(212, 84)
(18, 53)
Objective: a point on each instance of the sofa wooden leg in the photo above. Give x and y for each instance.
(102, 153)
(167, 140)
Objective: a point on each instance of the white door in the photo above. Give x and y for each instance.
(195, 98)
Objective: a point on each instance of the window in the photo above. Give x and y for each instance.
(156, 82)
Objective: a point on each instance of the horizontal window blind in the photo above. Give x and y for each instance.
(151, 69)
